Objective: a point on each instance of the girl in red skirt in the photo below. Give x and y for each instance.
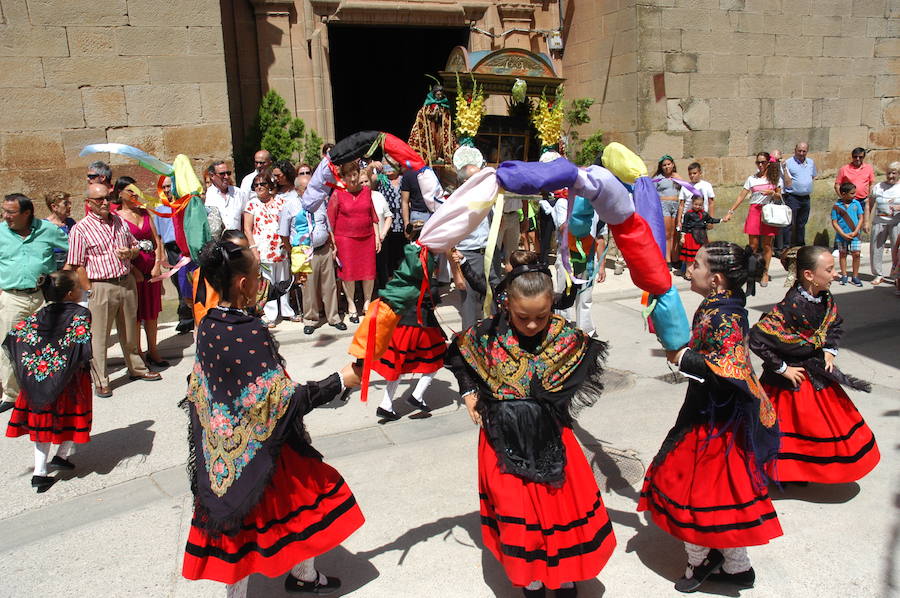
(825, 439)
(707, 485)
(51, 354)
(417, 346)
(693, 231)
(523, 374)
(264, 500)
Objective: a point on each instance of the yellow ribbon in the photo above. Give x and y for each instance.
(489, 253)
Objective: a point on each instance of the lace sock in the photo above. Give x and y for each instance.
(737, 560)
(41, 453)
(66, 449)
(306, 571)
(422, 385)
(390, 389)
(696, 554)
(237, 589)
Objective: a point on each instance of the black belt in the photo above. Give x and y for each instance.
(24, 291)
(481, 251)
(115, 280)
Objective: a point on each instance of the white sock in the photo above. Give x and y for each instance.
(737, 560)
(306, 571)
(237, 589)
(535, 585)
(567, 585)
(390, 389)
(422, 385)
(66, 449)
(696, 554)
(41, 453)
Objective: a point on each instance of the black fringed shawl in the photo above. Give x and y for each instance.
(48, 348)
(242, 407)
(729, 394)
(796, 331)
(528, 389)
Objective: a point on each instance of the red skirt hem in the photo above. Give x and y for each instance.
(69, 418)
(306, 510)
(824, 437)
(539, 532)
(413, 350)
(689, 248)
(703, 493)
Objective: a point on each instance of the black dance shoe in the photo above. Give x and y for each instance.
(417, 404)
(538, 593)
(742, 580)
(42, 483)
(6, 406)
(567, 592)
(699, 573)
(292, 584)
(309, 329)
(340, 326)
(61, 463)
(385, 414)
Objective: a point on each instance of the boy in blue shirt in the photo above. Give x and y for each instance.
(846, 218)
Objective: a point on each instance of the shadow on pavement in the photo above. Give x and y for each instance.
(353, 571)
(107, 449)
(826, 494)
(602, 460)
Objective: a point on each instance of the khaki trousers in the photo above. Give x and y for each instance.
(320, 289)
(508, 240)
(14, 307)
(114, 302)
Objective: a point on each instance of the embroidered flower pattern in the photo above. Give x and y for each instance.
(79, 331)
(27, 330)
(43, 363)
(233, 432)
(49, 360)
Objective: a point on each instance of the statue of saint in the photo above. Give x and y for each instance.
(432, 133)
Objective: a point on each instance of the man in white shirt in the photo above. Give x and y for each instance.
(229, 200)
(261, 161)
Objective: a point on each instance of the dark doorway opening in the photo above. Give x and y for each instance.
(378, 77)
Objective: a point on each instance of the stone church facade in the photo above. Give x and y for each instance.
(715, 80)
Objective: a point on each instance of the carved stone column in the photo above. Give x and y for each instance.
(273, 33)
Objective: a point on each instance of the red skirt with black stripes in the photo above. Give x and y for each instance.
(703, 493)
(306, 510)
(413, 350)
(67, 418)
(824, 437)
(539, 532)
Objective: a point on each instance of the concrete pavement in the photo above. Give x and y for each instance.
(117, 526)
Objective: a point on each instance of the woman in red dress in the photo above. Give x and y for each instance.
(148, 263)
(707, 484)
(51, 354)
(825, 439)
(524, 374)
(265, 502)
(354, 223)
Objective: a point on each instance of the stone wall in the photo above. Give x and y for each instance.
(148, 73)
(718, 80)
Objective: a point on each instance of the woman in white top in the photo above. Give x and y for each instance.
(762, 187)
(883, 219)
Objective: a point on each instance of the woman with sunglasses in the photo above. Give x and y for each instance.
(261, 225)
(763, 187)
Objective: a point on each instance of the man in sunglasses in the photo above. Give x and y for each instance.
(99, 172)
(100, 251)
(860, 174)
(223, 195)
(262, 160)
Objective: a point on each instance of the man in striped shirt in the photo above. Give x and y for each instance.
(100, 250)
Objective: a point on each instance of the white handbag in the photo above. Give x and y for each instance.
(777, 214)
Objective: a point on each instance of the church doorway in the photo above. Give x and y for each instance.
(378, 77)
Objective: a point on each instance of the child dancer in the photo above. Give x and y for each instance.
(707, 486)
(414, 348)
(847, 220)
(264, 500)
(523, 374)
(693, 230)
(51, 354)
(825, 438)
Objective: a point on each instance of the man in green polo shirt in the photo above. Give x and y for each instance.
(26, 253)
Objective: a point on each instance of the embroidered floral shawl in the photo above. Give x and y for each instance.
(48, 348)
(793, 323)
(718, 333)
(241, 413)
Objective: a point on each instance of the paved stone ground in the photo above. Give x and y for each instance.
(116, 527)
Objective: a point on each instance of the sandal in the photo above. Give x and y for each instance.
(877, 281)
(296, 319)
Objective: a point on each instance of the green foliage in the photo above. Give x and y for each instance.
(577, 113)
(589, 149)
(285, 137)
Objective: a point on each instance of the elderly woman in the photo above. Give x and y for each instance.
(261, 226)
(883, 221)
(60, 205)
(356, 236)
(668, 195)
(762, 187)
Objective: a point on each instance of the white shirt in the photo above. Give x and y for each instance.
(290, 210)
(705, 189)
(247, 182)
(757, 197)
(382, 209)
(231, 205)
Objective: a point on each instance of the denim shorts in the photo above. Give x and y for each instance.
(851, 245)
(670, 208)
